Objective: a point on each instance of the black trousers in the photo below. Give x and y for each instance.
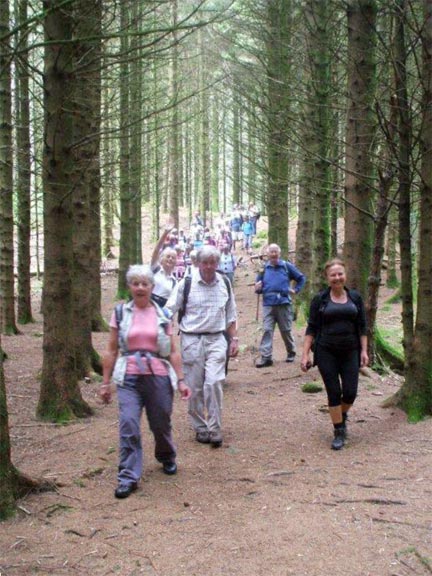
(340, 372)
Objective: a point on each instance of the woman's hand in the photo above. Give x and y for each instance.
(105, 393)
(185, 391)
(305, 363)
(364, 359)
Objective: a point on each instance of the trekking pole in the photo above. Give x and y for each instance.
(257, 308)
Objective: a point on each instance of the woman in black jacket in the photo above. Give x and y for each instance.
(337, 330)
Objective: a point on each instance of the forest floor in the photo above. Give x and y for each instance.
(274, 500)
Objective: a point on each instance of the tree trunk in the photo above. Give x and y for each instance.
(404, 177)
(126, 213)
(135, 142)
(215, 155)
(24, 311)
(319, 18)
(392, 280)
(8, 472)
(107, 154)
(278, 63)
(98, 323)
(236, 152)
(13, 484)
(205, 132)
(174, 140)
(85, 179)
(313, 239)
(7, 296)
(60, 397)
(416, 393)
(359, 141)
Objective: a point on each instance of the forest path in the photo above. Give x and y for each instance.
(273, 500)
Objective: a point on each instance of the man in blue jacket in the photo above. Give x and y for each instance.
(277, 282)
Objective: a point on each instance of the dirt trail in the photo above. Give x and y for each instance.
(273, 500)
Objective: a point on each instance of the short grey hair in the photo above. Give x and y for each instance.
(139, 271)
(168, 251)
(273, 245)
(207, 252)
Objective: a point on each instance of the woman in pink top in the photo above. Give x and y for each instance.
(143, 361)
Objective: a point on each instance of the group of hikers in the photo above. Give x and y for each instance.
(228, 233)
(146, 365)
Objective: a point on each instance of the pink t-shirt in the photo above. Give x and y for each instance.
(143, 336)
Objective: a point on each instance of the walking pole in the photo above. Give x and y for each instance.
(257, 308)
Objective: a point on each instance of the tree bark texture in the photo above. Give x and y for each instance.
(7, 470)
(416, 393)
(7, 296)
(60, 397)
(360, 132)
(404, 175)
(126, 207)
(278, 63)
(85, 183)
(23, 169)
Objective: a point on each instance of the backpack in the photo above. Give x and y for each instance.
(119, 314)
(186, 290)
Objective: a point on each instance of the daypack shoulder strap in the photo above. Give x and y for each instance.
(186, 290)
(227, 284)
(119, 313)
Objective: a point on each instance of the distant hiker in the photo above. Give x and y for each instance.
(210, 311)
(143, 362)
(337, 331)
(254, 215)
(236, 222)
(163, 263)
(274, 282)
(248, 232)
(227, 262)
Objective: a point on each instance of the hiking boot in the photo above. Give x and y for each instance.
(290, 357)
(339, 439)
(264, 362)
(216, 439)
(169, 468)
(203, 437)
(125, 490)
(345, 422)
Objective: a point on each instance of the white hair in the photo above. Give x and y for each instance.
(139, 271)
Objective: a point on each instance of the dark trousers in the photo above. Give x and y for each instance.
(155, 394)
(340, 372)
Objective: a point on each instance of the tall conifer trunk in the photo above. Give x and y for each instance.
(126, 207)
(7, 297)
(23, 154)
(415, 395)
(359, 141)
(278, 63)
(60, 397)
(84, 150)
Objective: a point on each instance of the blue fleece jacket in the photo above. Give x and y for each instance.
(277, 282)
